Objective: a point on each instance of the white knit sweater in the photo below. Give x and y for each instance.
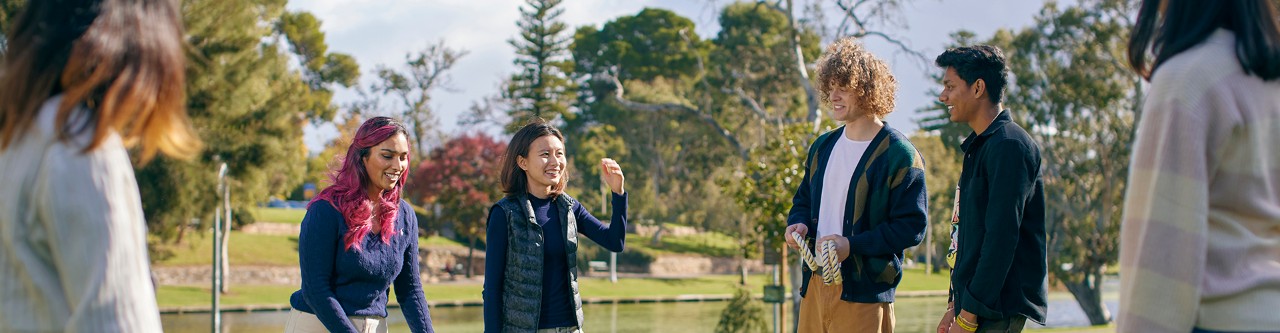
(73, 255)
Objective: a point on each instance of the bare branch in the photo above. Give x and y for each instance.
(617, 96)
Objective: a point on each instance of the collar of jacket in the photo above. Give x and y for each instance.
(996, 124)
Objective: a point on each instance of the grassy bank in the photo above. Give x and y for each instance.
(254, 249)
(593, 287)
(278, 215)
(243, 249)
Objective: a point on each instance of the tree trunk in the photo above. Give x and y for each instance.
(657, 235)
(811, 95)
(182, 234)
(1088, 293)
(471, 255)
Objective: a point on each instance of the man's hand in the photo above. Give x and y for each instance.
(797, 228)
(842, 245)
(966, 316)
(944, 326)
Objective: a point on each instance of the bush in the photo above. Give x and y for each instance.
(743, 315)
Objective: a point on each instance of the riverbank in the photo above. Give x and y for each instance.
(188, 298)
(247, 308)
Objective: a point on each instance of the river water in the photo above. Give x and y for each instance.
(912, 314)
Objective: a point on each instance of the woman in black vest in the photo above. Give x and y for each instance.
(531, 271)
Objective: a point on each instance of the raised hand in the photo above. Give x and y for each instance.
(612, 174)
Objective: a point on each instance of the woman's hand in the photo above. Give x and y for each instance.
(612, 174)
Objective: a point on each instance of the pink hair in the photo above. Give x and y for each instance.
(349, 192)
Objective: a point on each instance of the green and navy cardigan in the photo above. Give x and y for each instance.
(885, 212)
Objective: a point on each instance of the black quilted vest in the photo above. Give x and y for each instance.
(522, 285)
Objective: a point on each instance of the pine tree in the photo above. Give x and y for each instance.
(248, 106)
(542, 88)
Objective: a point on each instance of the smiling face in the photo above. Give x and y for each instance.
(844, 106)
(960, 97)
(544, 166)
(386, 163)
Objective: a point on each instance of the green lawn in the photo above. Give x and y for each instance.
(440, 241)
(592, 287)
(278, 215)
(175, 296)
(914, 279)
(1109, 328)
(244, 249)
(712, 244)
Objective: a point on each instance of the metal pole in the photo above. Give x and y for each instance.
(928, 250)
(217, 252)
(777, 307)
(226, 234)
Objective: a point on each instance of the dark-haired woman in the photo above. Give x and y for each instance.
(531, 272)
(1200, 239)
(358, 239)
(80, 82)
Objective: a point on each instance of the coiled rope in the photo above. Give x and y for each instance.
(826, 261)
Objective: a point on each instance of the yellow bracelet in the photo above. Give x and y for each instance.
(966, 325)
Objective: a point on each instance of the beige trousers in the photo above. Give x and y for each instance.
(302, 322)
(822, 311)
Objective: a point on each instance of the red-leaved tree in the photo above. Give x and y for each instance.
(460, 177)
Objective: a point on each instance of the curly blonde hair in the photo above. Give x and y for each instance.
(847, 64)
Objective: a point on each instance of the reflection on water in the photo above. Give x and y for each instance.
(913, 315)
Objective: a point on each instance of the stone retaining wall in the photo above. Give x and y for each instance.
(271, 228)
(675, 266)
(237, 275)
(434, 261)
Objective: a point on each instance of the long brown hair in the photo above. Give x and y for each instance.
(122, 60)
(514, 180)
(1182, 24)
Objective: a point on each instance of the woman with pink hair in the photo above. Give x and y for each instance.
(358, 239)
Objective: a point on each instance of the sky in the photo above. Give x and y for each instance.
(383, 31)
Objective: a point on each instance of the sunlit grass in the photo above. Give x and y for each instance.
(243, 249)
(278, 215)
(591, 287)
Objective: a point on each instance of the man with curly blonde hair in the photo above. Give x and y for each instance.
(862, 195)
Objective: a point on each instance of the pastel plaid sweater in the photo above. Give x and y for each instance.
(1200, 240)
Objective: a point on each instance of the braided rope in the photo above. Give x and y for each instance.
(831, 264)
(825, 258)
(805, 256)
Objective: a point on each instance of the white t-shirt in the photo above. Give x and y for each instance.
(835, 184)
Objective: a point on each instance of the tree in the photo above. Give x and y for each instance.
(461, 178)
(1073, 91)
(248, 105)
(543, 87)
(942, 175)
(427, 70)
(8, 8)
(732, 93)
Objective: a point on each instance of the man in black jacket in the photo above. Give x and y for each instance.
(998, 279)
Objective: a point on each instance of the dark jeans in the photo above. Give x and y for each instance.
(1008, 325)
